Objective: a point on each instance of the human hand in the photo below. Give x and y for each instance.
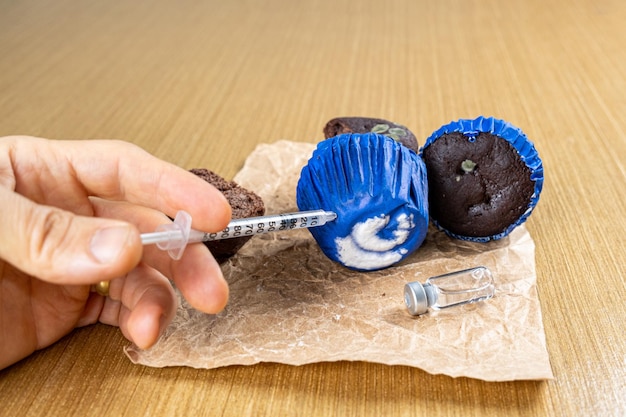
(70, 216)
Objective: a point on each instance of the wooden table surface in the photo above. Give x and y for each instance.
(201, 82)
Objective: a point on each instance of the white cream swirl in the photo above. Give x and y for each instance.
(364, 249)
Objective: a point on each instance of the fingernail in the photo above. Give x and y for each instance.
(107, 244)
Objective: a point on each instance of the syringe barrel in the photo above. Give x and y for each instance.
(272, 223)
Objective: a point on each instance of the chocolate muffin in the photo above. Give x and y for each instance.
(484, 178)
(341, 125)
(244, 203)
(378, 189)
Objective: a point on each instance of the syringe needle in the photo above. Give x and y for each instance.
(174, 237)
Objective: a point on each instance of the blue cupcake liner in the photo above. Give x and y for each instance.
(379, 190)
(518, 139)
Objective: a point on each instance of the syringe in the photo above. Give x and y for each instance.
(174, 237)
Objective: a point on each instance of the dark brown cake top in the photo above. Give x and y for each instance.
(340, 125)
(476, 188)
(244, 203)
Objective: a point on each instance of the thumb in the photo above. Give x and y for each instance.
(60, 247)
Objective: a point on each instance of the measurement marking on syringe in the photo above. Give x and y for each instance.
(267, 224)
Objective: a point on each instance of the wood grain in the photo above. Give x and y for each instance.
(201, 83)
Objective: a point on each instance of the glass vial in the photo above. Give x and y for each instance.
(448, 290)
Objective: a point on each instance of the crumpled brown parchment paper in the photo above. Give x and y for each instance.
(290, 304)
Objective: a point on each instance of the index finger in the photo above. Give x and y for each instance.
(118, 170)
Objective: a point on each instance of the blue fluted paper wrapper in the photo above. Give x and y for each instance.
(520, 142)
(379, 190)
